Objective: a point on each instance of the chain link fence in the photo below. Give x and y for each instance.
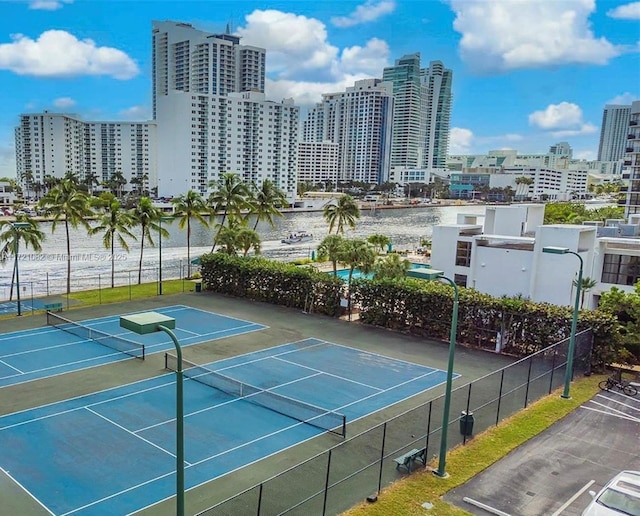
(362, 465)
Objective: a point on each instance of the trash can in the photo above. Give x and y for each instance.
(198, 286)
(466, 423)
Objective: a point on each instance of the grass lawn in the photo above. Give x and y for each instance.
(406, 496)
(128, 293)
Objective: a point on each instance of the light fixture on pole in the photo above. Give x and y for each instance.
(151, 322)
(160, 252)
(568, 374)
(16, 238)
(432, 274)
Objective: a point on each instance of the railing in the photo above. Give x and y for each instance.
(346, 474)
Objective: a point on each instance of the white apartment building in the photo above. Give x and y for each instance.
(318, 162)
(359, 121)
(202, 137)
(190, 60)
(613, 132)
(503, 256)
(7, 195)
(54, 144)
(632, 161)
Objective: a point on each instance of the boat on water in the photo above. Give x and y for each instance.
(297, 238)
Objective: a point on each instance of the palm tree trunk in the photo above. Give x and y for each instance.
(66, 228)
(189, 248)
(113, 262)
(144, 229)
(215, 240)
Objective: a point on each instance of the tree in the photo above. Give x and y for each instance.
(391, 267)
(10, 235)
(115, 224)
(345, 212)
(585, 285)
(330, 248)
(90, 180)
(266, 202)
(116, 183)
(189, 206)
(230, 196)
(248, 239)
(625, 306)
(148, 218)
(64, 202)
(357, 254)
(379, 241)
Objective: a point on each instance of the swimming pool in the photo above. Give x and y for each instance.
(344, 273)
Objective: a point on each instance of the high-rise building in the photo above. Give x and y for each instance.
(55, 144)
(632, 160)
(212, 115)
(318, 162)
(193, 61)
(613, 133)
(437, 80)
(422, 112)
(359, 121)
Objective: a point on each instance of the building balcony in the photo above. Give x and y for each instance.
(629, 150)
(633, 123)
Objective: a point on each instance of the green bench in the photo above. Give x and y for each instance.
(53, 307)
(408, 458)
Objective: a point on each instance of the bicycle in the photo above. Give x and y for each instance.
(612, 383)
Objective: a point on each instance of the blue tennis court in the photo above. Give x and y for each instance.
(113, 452)
(42, 352)
(26, 305)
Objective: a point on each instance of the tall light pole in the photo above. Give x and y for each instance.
(160, 252)
(16, 238)
(151, 322)
(568, 374)
(431, 274)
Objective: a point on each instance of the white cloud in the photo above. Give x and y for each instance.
(460, 140)
(135, 113)
(57, 53)
(557, 116)
(302, 63)
(624, 100)
(503, 35)
(626, 12)
(48, 5)
(367, 12)
(586, 128)
(589, 155)
(64, 102)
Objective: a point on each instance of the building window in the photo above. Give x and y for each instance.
(463, 254)
(460, 280)
(621, 269)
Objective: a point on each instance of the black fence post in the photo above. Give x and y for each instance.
(464, 436)
(526, 392)
(553, 368)
(260, 499)
(384, 436)
(499, 397)
(426, 444)
(326, 485)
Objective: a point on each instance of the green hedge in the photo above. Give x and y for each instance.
(273, 282)
(424, 308)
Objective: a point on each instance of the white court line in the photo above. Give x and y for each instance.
(485, 507)
(26, 490)
(319, 371)
(132, 433)
(11, 367)
(628, 418)
(573, 498)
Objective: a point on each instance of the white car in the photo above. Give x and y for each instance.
(620, 496)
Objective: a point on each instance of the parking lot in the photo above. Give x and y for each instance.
(553, 473)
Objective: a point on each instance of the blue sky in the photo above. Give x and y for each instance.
(527, 73)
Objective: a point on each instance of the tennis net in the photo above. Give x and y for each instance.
(295, 409)
(129, 347)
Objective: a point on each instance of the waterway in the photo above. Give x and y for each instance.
(45, 272)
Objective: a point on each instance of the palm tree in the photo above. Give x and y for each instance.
(585, 285)
(230, 196)
(330, 247)
(248, 239)
(189, 206)
(392, 267)
(65, 202)
(345, 212)
(11, 235)
(115, 224)
(380, 241)
(90, 180)
(266, 201)
(357, 254)
(148, 218)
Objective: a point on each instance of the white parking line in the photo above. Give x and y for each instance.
(573, 498)
(485, 507)
(627, 417)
